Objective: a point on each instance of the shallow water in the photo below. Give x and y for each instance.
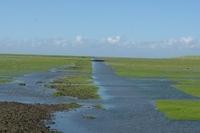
(129, 107)
(34, 90)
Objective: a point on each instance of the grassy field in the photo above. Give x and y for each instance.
(180, 109)
(79, 86)
(184, 72)
(171, 68)
(14, 65)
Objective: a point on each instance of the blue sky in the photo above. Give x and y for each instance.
(136, 28)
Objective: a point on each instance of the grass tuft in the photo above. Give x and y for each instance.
(75, 86)
(80, 86)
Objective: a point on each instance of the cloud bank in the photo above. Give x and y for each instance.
(113, 40)
(108, 46)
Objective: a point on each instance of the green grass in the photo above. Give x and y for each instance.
(189, 86)
(179, 109)
(184, 72)
(76, 86)
(171, 68)
(15, 65)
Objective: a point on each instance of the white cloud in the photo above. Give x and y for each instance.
(79, 39)
(109, 44)
(61, 42)
(187, 40)
(183, 42)
(113, 39)
(174, 43)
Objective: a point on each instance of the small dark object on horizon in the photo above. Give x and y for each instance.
(98, 60)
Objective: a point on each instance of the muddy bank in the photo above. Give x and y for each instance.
(32, 118)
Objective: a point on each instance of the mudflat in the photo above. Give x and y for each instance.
(18, 117)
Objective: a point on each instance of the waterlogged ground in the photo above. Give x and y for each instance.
(31, 88)
(126, 105)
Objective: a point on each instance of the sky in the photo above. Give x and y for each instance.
(130, 28)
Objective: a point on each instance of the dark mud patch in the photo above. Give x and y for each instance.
(32, 118)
